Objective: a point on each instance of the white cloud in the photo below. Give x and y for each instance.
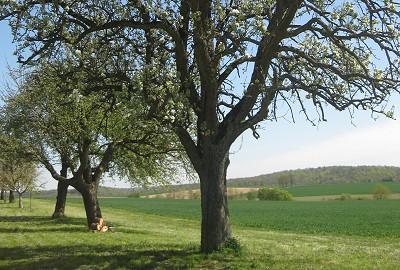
(376, 145)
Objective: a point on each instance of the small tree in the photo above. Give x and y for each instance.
(17, 172)
(273, 194)
(381, 192)
(19, 176)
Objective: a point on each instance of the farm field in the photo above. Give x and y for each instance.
(164, 234)
(327, 190)
(362, 218)
(337, 189)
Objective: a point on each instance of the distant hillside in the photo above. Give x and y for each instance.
(300, 177)
(321, 175)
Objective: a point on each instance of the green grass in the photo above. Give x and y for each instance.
(337, 189)
(363, 218)
(164, 234)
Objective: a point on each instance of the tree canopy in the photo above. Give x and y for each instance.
(90, 134)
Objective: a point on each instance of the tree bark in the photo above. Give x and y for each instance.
(215, 227)
(20, 203)
(92, 207)
(62, 190)
(2, 195)
(11, 198)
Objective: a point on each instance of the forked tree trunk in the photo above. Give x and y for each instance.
(215, 227)
(62, 190)
(11, 198)
(92, 207)
(2, 195)
(20, 203)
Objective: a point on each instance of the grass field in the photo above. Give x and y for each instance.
(337, 189)
(297, 191)
(363, 218)
(164, 234)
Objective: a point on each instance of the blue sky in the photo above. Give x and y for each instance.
(284, 145)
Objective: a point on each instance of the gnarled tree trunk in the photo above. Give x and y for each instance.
(92, 207)
(11, 198)
(2, 195)
(215, 227)
(62, 190)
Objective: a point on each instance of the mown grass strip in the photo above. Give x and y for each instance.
(31, 240)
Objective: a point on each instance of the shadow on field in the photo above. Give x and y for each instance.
(32, 224)
(43, 220)
(9, 205)
(99, 257)
(23, 218)
(40, 224)
(61, 229)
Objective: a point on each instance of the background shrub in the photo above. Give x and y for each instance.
(381, 192)
(134, 195)
(251, 196)
(345, 197)
(274, 194)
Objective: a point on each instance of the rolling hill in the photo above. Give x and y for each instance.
(299, 177)
(321, 175)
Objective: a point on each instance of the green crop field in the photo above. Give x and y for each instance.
(376, 218)
(337, 189)
(164, 234)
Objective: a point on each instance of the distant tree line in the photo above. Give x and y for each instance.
(321, 175)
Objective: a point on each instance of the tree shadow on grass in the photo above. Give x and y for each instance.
(43, 220)
(106, 255)
(9, 205)
(41, 224)
(139, 257)
(34, 229)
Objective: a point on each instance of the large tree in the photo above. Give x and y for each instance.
(289, 55)
(87, 134)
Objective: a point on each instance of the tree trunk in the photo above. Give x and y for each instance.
(62, 190)
(11, 198)
(215, 227)
(2, 195)
(20, 203)
(92, 207)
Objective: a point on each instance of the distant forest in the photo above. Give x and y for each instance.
(321, 175)
(300, 177)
